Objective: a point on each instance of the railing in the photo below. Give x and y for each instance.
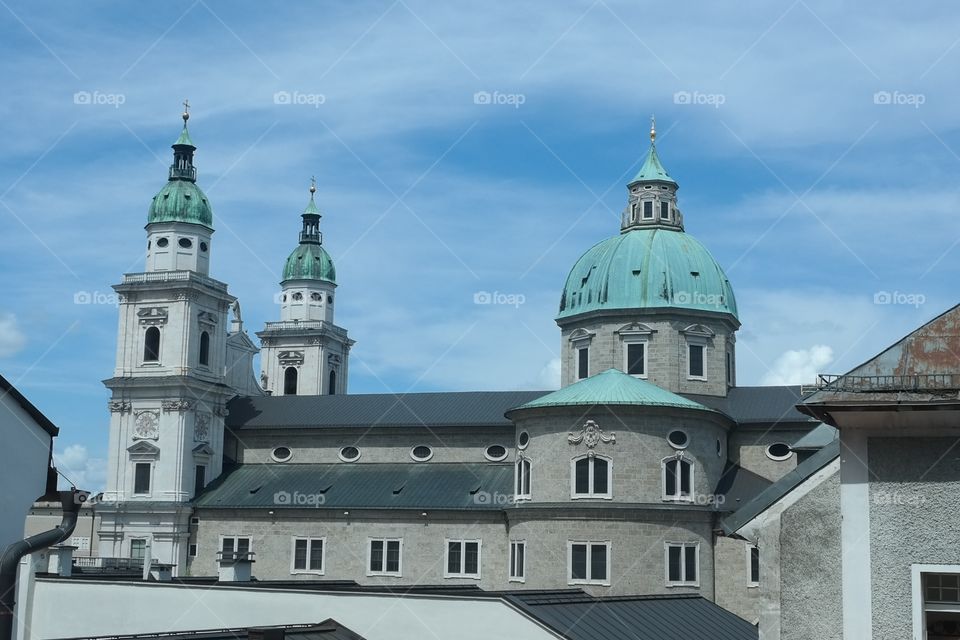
(301, 324)
(172, 276)
(234, 556)
(875, 384)
(107, 565)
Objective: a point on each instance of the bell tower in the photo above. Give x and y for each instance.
(168, 390)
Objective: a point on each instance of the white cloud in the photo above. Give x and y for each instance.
(12, 339)
(86, 472)
(799, 366)
(550, 374)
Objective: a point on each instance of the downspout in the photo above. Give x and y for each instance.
(70, 502)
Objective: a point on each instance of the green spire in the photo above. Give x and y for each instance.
(184, 138)
(312, 206)
(652, 169)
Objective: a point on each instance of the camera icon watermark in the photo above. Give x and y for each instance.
(496, 498)
(714, 100)
(498, 98)
(914, 300)
(99, 98)
(96, 297)
(298, 499)
(496, 297)
(899, 98)
(297, 98)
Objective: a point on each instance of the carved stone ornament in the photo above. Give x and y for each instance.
(146, 425)
(591, 435)
(205, 317)
(152, 316)
(333, 359)
(221, 410)
(290, 357)
(201, 428)
(119, 406)
(180, 405)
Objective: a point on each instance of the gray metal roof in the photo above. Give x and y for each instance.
(738, 486)
(458, 408)
(820, 437)
(758, 404)
(578, 616)
(769, 496)
(434, 485)
(329, 629)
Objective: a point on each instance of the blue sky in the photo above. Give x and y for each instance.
(816, 146)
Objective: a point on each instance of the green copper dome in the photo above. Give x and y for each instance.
(646, 269)
(310, 262)
(181, 201)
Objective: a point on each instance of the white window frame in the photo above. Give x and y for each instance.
(235, 538)
(133, 478)
(390, 574)
(750, 581)
(916, 579)
(516, 479)
(683, 564)
(589, 580)
(697, 342)
(643, 209)
(646, 356)
(592, 475)
(145, 542)
(196, 549)
(511, 560)
(678, 497)
(584, 348)
(323, 555)
(463, 542)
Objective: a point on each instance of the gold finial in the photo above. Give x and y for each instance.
(653, 129)
(313, 186)
(186, 111)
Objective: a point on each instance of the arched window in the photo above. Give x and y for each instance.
(151, 345)
(591, 477)
(204, 348)
(677, 479)
(523, 479)
(290, 381)
(332, 385)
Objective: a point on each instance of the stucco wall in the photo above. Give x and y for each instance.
(732, 570)
(23, 467)
(748, 448)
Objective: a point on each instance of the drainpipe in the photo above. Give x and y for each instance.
(71, 502)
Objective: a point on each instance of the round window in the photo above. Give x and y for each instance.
(421, 453)
(186, 243)
(523, 440)
(719, 448)
(281, 454)
(779, 451)
(203, 247)
(162, 242)
(678, 439)
(329, 299)
(349, 454)
(496, 452)
(298, 296)
(316, 297)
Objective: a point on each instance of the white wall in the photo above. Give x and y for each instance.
(23, 467)
(62, 608)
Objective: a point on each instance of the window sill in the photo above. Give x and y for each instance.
(383, 575)
(753, 585)
(697, 378)
(596, 583)
(520, 580)
(460, 576)
(590, 496)
(688, 500)
(298, 572)
(673, 585)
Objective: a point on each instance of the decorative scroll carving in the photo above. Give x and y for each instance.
(119, 406)
(180, 405)
(290, 357)
(591, 435)
(205, 317)
(153, 316)
(201, 428)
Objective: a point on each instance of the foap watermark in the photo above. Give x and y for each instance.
(496, 297)
(298, 499)
(899, 98)
(709, 499)
(897, 499)
(914, 300)
(99, 98)
(495, 498)
(298, 98)
(699, 298)
(96, 297)
(699, 98)
(499, 98)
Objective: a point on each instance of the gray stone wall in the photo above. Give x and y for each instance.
(748, 448)
(640, 446)
(666, 349)
(810, 560)
(732, 576)
(913, 519)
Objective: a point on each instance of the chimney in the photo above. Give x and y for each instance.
(161, 572)
(235, 566)
(61, 560)
(266, 633)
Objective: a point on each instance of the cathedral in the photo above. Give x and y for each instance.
(623, 481)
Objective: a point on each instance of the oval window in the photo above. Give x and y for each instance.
(496, 452)
(523, 440)
(298, 296)
(779, 451)
(719, 448)
(203, 247)
(281, 454)
(162, 242)
(678, 439)
(316, 297)
(186, 243)
(349, 454)
(421, 453)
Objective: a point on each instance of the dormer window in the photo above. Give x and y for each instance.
(664, 210)
(648, 209)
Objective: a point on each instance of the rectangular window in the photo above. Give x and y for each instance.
(138, 548)
(82, 543)
(636, 359)
(518, 560)
(729, 369)
(591, 477)
(384, 557)
(695, 360)
(677, 479)
(192, 550)
(141, 478)
(683, 564)
(647, 209)
(583, 363)
(664, 210)
(307, 555)
(523, 478)
(232, 547)
(199, 479)
(753, 566)
(589, 563)
(463, 559)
